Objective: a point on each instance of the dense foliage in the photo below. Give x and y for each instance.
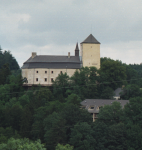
(53, 114)
(7, 58)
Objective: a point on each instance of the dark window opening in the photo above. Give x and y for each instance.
(36, 79)
(61, 72)
(45, 79)
(52, 80)
(45, 71)
(52, 72)
(92, 107)
(36, 71)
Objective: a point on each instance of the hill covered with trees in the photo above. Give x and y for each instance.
(53, 116)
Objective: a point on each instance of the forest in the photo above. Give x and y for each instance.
(40, 118)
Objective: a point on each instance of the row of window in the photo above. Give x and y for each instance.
(46, 72)
(45, 79)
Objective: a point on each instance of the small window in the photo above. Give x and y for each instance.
(61, 72)
(92, 107)
(45, 71)
(36, 79)
(36, 71)
(100, 107)
(52, 72)
(52, 80)
(45, 79)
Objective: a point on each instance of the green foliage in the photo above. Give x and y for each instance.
(6, 133)
(131, 91)
(54, 115)
(4, 73)
(7, 58)
(114, 71)
(73, 99)
(82, 137)
(83, 82)
(107, 93)
(55, 130)
(64, 147)
(111, 114)
(133, 111)
(22, 144)
(60, 86)
(117, 137)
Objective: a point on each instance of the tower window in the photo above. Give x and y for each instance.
(36, 71)
(52, 72)
(36, 79)
(61, 72)
(45, 79)
(45, 71)
(52, 80)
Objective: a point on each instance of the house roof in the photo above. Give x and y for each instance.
(52, 65)
(100, 102)
(118, 91)
(53, 58)
(53, 61)
(91, 39)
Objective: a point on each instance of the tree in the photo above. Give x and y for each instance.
(83, 82)
(73, 99)
(117, 137)
(8, 58)
(131, 91)
(111, 114)
(133, 111)
(114, 71)
(6, 133)
(22, 144)
(55, 130)
(60, 85)
(4, 73)
(107, 93)
(82, 137)
(64, 147)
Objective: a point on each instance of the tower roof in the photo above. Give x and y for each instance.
(91, 39)
(76, 48)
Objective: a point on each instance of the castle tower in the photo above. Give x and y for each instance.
(90, 52)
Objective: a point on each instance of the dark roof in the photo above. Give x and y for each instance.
(53, 61)
(52, 65)
(53, 58)
(117, 91)
(91, 39)
(76, 48)
(100, 102)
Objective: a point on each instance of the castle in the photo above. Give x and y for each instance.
(43, 69)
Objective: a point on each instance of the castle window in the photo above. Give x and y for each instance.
(52, 80)
(60, 72)
(36, 79)
(36, 71)
(52, 72)
(45, 71)
(45, 79)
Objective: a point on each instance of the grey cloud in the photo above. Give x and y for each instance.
(66, 22)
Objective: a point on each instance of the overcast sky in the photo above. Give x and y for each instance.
(52, 27)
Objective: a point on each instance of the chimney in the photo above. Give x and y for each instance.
(68, 54)
(33, 54)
